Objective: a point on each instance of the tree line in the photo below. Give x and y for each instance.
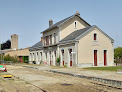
(118, 55)
(6, 45)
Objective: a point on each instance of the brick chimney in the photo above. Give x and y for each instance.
(50, 22)
(77, 13)
(41, 39)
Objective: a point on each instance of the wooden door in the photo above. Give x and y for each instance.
(105, 57)
(20, 59)
(50, 58)
(63, 57)
(70, 54)
(95, 57)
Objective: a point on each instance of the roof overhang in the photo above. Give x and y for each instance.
(78, 15)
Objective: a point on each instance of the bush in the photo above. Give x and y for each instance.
(66, 66)
(118, 55)
(11, 58)
(58, 60)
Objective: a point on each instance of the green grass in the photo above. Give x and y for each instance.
(111, 68)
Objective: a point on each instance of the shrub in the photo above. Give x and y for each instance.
(66, 66)
(11, 58)
(58, 60)
(8, 58)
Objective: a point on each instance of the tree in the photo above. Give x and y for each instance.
(118, 54)
(6, 45)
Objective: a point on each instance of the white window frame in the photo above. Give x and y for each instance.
(106, 56)
(97, 57)
(69, 56)
(96, 37)
(61, 56)
(75, 26)
(54, 38)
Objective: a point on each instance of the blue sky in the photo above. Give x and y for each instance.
(28, 18)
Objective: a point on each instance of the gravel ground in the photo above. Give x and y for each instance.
(33, 80)
(16, 85)
(94, 73)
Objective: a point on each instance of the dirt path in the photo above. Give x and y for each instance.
(31, 80)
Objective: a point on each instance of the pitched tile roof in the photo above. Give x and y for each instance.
(78, 33)
(63, 21)
(39, 44)
(75, 34)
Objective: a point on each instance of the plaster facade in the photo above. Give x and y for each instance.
(78, 51)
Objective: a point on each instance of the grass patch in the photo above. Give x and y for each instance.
(110, 68)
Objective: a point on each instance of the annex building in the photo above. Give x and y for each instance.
(22, 54)
(76, 42)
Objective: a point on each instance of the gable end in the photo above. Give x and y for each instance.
(91, 29)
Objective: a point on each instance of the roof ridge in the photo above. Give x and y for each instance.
(57, 24)
(66, 18)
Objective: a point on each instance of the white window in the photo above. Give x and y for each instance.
(95, 36)
(54, 37)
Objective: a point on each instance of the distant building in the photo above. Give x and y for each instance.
(76, 42)
(14, 41)
(22, 54)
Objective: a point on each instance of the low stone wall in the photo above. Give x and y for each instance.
(114, 83)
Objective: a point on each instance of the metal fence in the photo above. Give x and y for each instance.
(6, 62)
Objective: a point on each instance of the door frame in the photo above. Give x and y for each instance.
(97, 57)
(62, 57)
(69, 56)
(50, 57)
(106, 57)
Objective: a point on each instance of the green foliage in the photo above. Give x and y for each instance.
(11, 58)
(118, 52)
(118, 55)
(8, 58)
(15, 59)
(6, 45)
(1, 57)
(66, 66)
(58, 59)
(111, 68)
